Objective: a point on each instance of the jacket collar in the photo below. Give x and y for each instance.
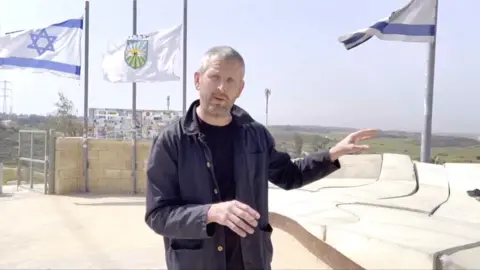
(191, 125)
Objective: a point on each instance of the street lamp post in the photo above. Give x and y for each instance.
(268, 92)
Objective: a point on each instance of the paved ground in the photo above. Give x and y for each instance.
(383, 212)
(59, 232)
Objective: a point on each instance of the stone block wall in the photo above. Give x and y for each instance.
(68, 165)
(110, 166)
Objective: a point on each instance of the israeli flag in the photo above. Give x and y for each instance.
(55, 49)
(415, 22)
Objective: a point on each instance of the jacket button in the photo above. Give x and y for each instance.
(215, 191)
(208, 165)
(220, 248)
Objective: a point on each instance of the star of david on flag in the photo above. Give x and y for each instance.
(55, 49)
(42, 35)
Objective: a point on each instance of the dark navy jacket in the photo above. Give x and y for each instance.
(181, 187)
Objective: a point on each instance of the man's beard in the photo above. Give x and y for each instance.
(217, 110)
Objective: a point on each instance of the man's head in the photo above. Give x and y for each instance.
(219, 80)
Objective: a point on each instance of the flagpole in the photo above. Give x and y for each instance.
(184, 64)
(85, 97)
(134, 113)
(426, 146)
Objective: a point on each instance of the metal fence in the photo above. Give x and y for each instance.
(2, 157)
(36, 160)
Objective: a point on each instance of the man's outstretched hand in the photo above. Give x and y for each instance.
(350, 144)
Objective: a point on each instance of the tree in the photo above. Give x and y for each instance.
(64, 119)
(298, 143)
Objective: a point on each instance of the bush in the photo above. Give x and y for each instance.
(10, 174)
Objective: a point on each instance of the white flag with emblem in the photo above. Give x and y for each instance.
(55, 49)
(144, 58)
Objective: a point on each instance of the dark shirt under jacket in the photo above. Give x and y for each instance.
(220, 141)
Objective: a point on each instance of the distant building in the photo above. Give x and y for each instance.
(7, 123)
(119, 123)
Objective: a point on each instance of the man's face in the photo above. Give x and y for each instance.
(219, 86)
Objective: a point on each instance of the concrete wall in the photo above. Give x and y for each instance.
(110, 166)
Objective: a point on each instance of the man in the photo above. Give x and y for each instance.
(207, 176)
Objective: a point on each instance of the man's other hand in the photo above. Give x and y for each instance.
(350, 144)
(238, 216)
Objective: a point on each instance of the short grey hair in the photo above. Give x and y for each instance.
(222, 53)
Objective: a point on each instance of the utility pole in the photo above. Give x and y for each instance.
(6, 93)
(168, 103)
(268, 92)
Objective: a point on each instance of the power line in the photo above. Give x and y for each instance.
(5, 95)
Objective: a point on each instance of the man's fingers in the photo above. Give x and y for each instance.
(245, 215)
(359, 148)
(247, 209)
(241, 224)
(364, 133)
(364, 138)
(235, 228)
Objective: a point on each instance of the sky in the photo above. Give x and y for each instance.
(289, 46)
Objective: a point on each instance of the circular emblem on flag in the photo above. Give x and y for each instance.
(136, 52)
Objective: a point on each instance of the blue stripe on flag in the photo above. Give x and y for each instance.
(13, 32)
(354, 38)
(405, 29)
(44, 64)
(73, 23)
(387, 28)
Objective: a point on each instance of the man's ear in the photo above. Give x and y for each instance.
(196, 79)
(242, 85)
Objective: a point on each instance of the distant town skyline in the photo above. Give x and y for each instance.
(115, 122)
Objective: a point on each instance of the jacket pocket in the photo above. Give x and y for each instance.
(186, 255)
(266, 237)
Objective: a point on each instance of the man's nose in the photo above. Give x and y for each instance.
(222, 87)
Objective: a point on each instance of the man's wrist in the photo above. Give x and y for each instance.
(334, 153)
(211, 214)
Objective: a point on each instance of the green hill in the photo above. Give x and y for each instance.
(451, 148)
